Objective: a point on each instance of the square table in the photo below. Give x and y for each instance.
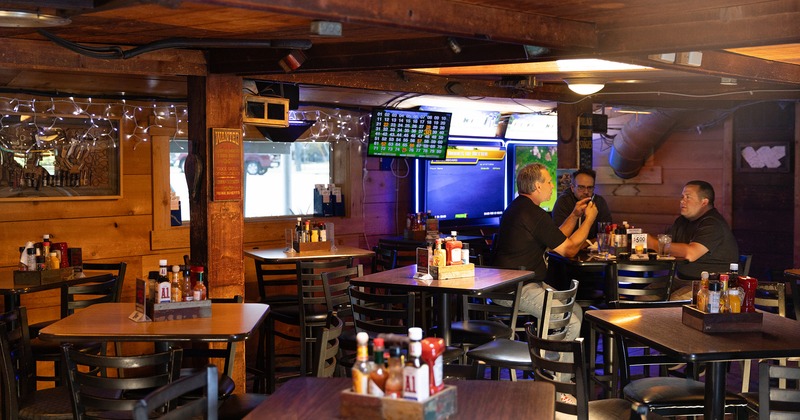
(663, 330)
(485, 279)
(229, 322)
(11, 291)
(318, 398)
(278, 255)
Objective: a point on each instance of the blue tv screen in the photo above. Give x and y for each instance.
(467, 187)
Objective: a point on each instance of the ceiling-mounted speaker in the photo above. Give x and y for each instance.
(284, 90)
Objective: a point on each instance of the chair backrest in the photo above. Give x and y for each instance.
(633, 354)
(483, 307)
(406, 253)
(771, 296)
(17, 368)
(328, 348)
(385, 258)
(381, 313)
(778, 403)
(641, 282)
(159, 400)
(120, 269)
(315, 290)
(557, 312)
(277, 283)
(94, 391)
(84, 295)
(552, 364)
(744, 264)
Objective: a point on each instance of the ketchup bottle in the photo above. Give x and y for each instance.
(432, 350)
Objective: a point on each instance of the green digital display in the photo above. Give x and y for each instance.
(413, 134)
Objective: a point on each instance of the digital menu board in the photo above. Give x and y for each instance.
(403, 133)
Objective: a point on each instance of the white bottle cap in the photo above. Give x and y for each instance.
(46, 237)
(176, 268)
(704, 275)
(415, 333)
(734, 267)
(362, 338)
(162, 262)
(453, 233)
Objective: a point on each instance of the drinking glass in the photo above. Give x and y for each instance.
(288, 235)
(330, 237)
(603, 244)
(664, 242)
(602, 227)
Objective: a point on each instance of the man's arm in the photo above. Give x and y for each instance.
(575, 242)
(691, 251)
(567, 227)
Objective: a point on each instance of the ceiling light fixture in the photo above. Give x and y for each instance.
(26, 19)
(728, 81)
(585, 88)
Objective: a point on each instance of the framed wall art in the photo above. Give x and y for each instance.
(58, 158)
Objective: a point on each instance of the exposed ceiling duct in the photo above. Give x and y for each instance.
(638, 139)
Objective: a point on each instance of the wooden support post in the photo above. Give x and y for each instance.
(568, 132)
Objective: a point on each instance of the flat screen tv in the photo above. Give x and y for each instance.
(409, 134)
(522, 153)
(467, 188)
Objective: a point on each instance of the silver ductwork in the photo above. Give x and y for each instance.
(638, 139)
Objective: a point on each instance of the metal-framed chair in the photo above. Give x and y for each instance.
(203, 383)
(19, 398)
(562, 363)
(94, 393)
(782, 402)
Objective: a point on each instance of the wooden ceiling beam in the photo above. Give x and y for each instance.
(380, 55)
(726, 64)
(682, 33)
(412, 82)
(438, 17)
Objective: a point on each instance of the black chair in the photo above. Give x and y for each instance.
(19, 398)
(277, 287)
(744, 264)
(120, 268)
(380, 313)
(384, 259)
(782, 402)
(322, 289)
(74, 298)
(666, 395)
(551, 363)
(97, 394)
(202, 383)
(327, 348)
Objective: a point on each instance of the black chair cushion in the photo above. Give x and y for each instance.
(503, 352)
(612, 409)
(659, 392)
(52, 403)
(478, 331)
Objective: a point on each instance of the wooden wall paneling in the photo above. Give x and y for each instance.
(724, 195)
(160, 181)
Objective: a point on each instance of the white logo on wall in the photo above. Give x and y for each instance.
(764, 156)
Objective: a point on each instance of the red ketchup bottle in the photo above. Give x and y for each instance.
(432, 350)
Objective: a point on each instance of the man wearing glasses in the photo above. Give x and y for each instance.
(569, 216)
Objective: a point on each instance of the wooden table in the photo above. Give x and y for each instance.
(11, 292)
(485, 280)
(663, 330)
(278, 255)
(229, 322)
(318, 398)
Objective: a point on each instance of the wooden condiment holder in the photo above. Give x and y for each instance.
(721, 322)
(369, 407)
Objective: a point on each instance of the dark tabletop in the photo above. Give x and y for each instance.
(318, 398)
(485, 279)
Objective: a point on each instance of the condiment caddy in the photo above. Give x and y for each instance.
(394, 389)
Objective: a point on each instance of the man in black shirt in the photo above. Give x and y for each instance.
(701, 235)
(527, 231)
(568, 216)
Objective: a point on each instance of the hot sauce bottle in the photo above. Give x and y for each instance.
(378, 376)
(360, 371)
(394, 381)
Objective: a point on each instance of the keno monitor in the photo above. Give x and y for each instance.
(410, 134)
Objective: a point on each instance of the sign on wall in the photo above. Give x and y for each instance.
(226, 164)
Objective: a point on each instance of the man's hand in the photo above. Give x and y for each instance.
(580, 207)
(590, 210)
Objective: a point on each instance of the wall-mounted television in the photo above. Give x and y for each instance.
(522, 153)
(410, 134)
(467, 188)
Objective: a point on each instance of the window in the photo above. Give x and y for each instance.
(279, 177)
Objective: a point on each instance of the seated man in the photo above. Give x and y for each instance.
(527, 231)
(565, 212)
(701, 235)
